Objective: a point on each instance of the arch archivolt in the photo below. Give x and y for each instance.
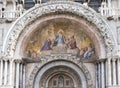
(40, 71)
(62, 71)
(31, 15)
(87, 28)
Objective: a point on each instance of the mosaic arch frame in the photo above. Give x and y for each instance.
(72, 7)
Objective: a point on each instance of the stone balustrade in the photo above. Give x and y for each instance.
(10, 15)
(107, 12)
(104, 11)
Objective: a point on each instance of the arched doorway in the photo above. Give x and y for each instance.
(60, 74)
(60, 77)
(94, 25)
(12, 47)
(60, 81)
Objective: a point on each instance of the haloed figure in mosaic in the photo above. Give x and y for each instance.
(48, 43)
(59, 39)
(73, 43)
(89, 52)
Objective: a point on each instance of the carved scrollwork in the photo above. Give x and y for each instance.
(51, 7)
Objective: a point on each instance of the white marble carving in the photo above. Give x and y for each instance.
(65, 60)
(63, 6)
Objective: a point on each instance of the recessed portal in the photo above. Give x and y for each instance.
(60, 81)
(60, 77)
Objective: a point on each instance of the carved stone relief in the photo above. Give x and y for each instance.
(52, 7)
(51, 61)
(60, 71)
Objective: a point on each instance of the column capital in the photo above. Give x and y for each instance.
(118, 59)
(116, 56)
(114, 59)
(101, 60)
(5, 58)
(18, 61)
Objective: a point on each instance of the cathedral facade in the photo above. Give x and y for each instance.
(59, 43)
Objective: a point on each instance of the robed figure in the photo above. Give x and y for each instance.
(59, 39)
(48, 43)
(73, 44)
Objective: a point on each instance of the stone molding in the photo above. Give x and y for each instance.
(60, 70)
(51, 7)
(53, 60)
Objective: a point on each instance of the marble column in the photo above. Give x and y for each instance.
(114, 71)
(40, 1)
(109, 3)
(1, 72)
(5, 73)
(118, 70)
(23, 76)
(109, 6)
(109, 72)
(14, 5)
(99, 75)
(102, 75)
(106, 72)
(17, 74)
(11, 73)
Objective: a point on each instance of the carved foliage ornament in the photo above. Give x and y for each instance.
(72, 7)
(54, 61)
